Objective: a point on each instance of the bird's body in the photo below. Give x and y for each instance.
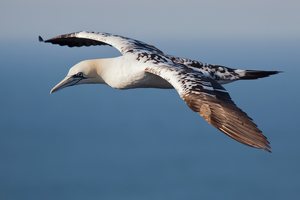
(144, 66)
(128, 74)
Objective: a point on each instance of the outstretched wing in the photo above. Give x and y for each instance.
(83, 38)
(207, 97)
(221, 73)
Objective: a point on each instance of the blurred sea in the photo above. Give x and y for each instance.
(94, 142)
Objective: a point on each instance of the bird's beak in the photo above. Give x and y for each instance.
(66, 82)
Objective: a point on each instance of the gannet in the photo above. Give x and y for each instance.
(141, 65)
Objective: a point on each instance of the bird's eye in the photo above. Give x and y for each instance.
(79, 74)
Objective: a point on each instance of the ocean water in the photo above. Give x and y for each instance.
(94, 142)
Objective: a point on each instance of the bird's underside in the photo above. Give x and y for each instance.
(198, 84)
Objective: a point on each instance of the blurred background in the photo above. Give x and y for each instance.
(93, 142)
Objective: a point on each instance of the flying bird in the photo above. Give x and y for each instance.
(144, 66)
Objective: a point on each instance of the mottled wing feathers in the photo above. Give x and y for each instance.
(83, 38)
(207, 97)
(219, 73)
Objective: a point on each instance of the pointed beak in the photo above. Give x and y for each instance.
(66, 82)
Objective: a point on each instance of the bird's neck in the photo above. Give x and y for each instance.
(118, 72)
(104, 68)
(103, 65)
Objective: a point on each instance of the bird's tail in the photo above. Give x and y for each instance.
(254, 74)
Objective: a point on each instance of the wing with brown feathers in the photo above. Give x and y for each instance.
(207, 97)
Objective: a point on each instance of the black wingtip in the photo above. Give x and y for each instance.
(255, 74)
(41, 39)
(268, 148)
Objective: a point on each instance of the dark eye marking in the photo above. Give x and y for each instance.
(78, 75)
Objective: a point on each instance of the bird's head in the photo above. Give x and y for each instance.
(82, 73)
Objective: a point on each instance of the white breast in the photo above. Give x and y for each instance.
(125, 73)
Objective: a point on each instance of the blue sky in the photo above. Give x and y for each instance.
(153, 19)
(93, 142)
